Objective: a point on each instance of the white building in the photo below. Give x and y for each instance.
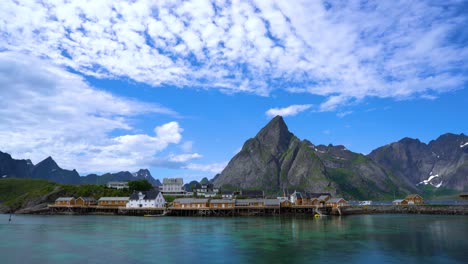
(206, 190)
(173, 186)
(149, 199)
(295, 196)
(117, 185)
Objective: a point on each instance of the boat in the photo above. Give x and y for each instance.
(152, 215)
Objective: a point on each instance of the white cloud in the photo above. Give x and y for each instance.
(291, 110)
(340, 50)
(187, 146)
(213, 167)
(343, 114)
(184, 157)
(49, 111)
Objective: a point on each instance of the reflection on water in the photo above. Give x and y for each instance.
(351, 239)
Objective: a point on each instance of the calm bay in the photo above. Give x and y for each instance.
(119, 239)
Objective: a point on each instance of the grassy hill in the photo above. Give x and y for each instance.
(18, 193)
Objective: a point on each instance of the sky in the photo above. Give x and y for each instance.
(178, 86)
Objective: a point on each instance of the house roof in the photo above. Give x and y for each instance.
(64, 199)
(298, 195)
(412, 196)
(148, 195)
(248, 201)
(398, 201)
(335, 200)
(227, 192)
(221, 201)
(113, 199)
(190, 200)
(323, 197)
(316, 195)
(87, 199)
(271, 202)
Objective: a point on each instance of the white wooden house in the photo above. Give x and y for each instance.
(149, 199)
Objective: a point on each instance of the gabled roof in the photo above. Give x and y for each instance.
(113, 199)
(147, 195)
(151, 195)
(323, 197)
(190, 200)
(248, 201)
(335, 200)
(412, 196)
(298, 195)
(87, 199)
(317, 195)
(64, 199)
(271, 202)
(221, 201)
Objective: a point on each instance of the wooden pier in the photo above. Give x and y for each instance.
(201, 211)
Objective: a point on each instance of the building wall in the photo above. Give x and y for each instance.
(415, 200)
(80, 202)
(173, 185)
(112, 203)
(158, 202)
(68, 203)
(222, 205)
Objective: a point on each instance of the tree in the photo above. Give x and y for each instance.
(139, 185)
(204, 181)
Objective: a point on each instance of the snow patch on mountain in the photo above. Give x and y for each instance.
(434, 180)
(464, 145)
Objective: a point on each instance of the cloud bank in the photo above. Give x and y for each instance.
(48, 111)
(344, 51)
(291, 110)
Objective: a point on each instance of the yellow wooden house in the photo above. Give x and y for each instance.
(414, 199)
(113, 201)
(65, 201)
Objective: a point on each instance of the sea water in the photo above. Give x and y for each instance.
(333, 239)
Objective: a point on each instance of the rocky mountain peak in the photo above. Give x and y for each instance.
(275, 135)
(142, 173)
(48, 163)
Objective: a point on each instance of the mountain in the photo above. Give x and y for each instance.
(10, 167)
(276, 160)
(48, 169)
(441, 163)
(142, 174)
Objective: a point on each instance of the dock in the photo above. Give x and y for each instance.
(201, 211)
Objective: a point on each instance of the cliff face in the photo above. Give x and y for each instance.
(275, 160)
(441, 163)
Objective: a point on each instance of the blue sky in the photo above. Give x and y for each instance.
(178, 86)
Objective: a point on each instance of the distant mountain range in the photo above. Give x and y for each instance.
(49, 170)
(276, 160)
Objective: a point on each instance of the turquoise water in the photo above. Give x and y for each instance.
(118, 239)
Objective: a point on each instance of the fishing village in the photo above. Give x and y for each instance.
(209, 201)
(204, 201)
